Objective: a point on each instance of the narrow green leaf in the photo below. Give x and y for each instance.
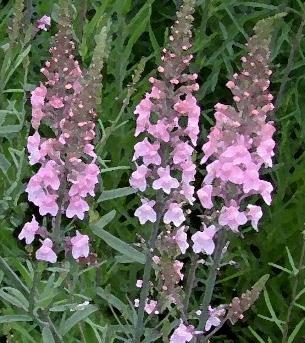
(114, 242)
(295, 331)
(256, 335)
(47, 336)
(76, 318)
(15, 318)
(115, 193)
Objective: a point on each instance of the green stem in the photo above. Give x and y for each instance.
(211, 280)
(294, 293)
(190, 282)
(36, 280)
(147, 272)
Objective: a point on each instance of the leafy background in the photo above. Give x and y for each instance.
(139, 30)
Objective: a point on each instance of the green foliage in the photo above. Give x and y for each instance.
(71, 303)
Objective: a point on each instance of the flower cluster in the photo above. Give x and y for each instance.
(68, 174)
(241, 143)
(168, 119)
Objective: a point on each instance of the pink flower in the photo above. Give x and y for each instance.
(80, 246)
(203, 240)
(230, 216)
(174, 214)
(205, 196)
(181, 240)
(150, 306)
(33, 148)
(29, 231)
(182, 334)
(148, 151)
(77, 207)
(56, 102)
(146, 212)
(214, 318)
(165, 181)
(47, 204)
(160, 130)
(139, 283)
(45, 252)
(43, 22)
(254, 213)
(266, 189)
(143, 110)
(182, 152)
(177, 267)
(38, 96)
(138, 178)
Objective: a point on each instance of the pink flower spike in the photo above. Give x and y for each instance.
(174, 214)
(77, 207)
(80, 246)
(148, 151)
(182, 334)
(205, 196)
(43, 22)
(254, 214)
(146, 212)
(203, 240)
(181, 240)
(29, 231)
(165, 181)
(45, 252)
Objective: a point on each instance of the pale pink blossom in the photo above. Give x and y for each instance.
(33, 147)
(38, 96)
(174, 214)
(205, 196)
(181, 240)
(215, 315)
(178, 265)
(203, 240)
(77, 207)
(165, 182)
(146, 212)
(182, 334)
(29, 231)
(148, 151)
(43, 22)
(150, 306)
(138, 178)
(80, 245)
(56, 102)
(232, 217)
(139, 283)
(254, 214)
(45, 252)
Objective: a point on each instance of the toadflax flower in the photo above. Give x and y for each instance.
(45, 252)
(29, 231)
(182, 334)
(240, 144)
(67, 173)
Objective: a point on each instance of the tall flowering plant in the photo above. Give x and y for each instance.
(68, 173)
(239, 147)
(167, 120)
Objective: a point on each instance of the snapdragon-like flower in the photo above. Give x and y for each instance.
(240, 144)
(167, 119)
